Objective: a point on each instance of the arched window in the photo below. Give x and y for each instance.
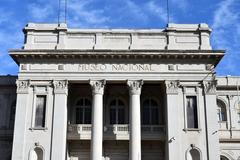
(223, 158)
(117, 112)
(221, 111)
(193, 154)
(83, 111)
(150, 112)
(36, 154)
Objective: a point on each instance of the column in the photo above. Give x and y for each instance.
(135, 119)
(97, 119)
(210, 104)
(59, 128)
(20, 127)
(172, 119)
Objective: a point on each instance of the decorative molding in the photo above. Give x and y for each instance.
(210, 87)
(135, 86)
(172, 87)
(60, 86)
(23, 86)
(230, 97)
(97, 86)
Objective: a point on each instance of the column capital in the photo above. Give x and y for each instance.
(135, 86)
(23, 86)
(172, 87)
(97, 86)
(210, 87)
(60, 86)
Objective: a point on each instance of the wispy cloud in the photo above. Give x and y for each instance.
(181, 4)
(40, 12)
(226, 29)
(135, 10)
(226, 21)
(4, 15)
(80, 12)
(157, 10)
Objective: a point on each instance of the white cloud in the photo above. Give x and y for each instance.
(4, 16)
(80, 12)
(226, 22)
(226, 31)
(225, 14)
(158, 11)
(181, 4)
(134, 10)
(40, 12)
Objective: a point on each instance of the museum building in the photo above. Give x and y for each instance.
(119, 94)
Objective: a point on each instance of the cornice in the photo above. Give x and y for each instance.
(19, 55)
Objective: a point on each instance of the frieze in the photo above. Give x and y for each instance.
(135, 86)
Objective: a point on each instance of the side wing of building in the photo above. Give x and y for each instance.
(7, 115)
(228, 111)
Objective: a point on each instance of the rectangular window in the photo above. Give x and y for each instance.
(192, 114)
(40, 111)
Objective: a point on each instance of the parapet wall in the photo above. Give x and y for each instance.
(173, 37)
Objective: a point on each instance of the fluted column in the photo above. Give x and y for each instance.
(97, 119)
(135, 119)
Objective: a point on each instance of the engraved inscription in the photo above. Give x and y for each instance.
(115, 67)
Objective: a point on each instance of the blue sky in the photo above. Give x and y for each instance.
(223, 16)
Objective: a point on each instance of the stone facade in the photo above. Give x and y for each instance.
(118, 94)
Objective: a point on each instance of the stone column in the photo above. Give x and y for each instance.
(20, 127)
(172, 118)
(97, 119)
(210, 105)
(135, 119)
(59, 128)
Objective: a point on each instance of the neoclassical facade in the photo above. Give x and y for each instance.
(120, 94)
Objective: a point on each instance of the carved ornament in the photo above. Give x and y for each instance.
(172, 87)
(97, 86)
(135, 86)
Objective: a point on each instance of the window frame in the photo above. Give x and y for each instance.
(84, 107)
(191, 91)
(117, 99)
(222, 106)
(44, 91)
(150, 113)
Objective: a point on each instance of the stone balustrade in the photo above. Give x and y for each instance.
(173, 37)
(117, 131)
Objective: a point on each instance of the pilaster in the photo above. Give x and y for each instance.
(23, 87)
(173, 131)
(211, 124)
(59, 129)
